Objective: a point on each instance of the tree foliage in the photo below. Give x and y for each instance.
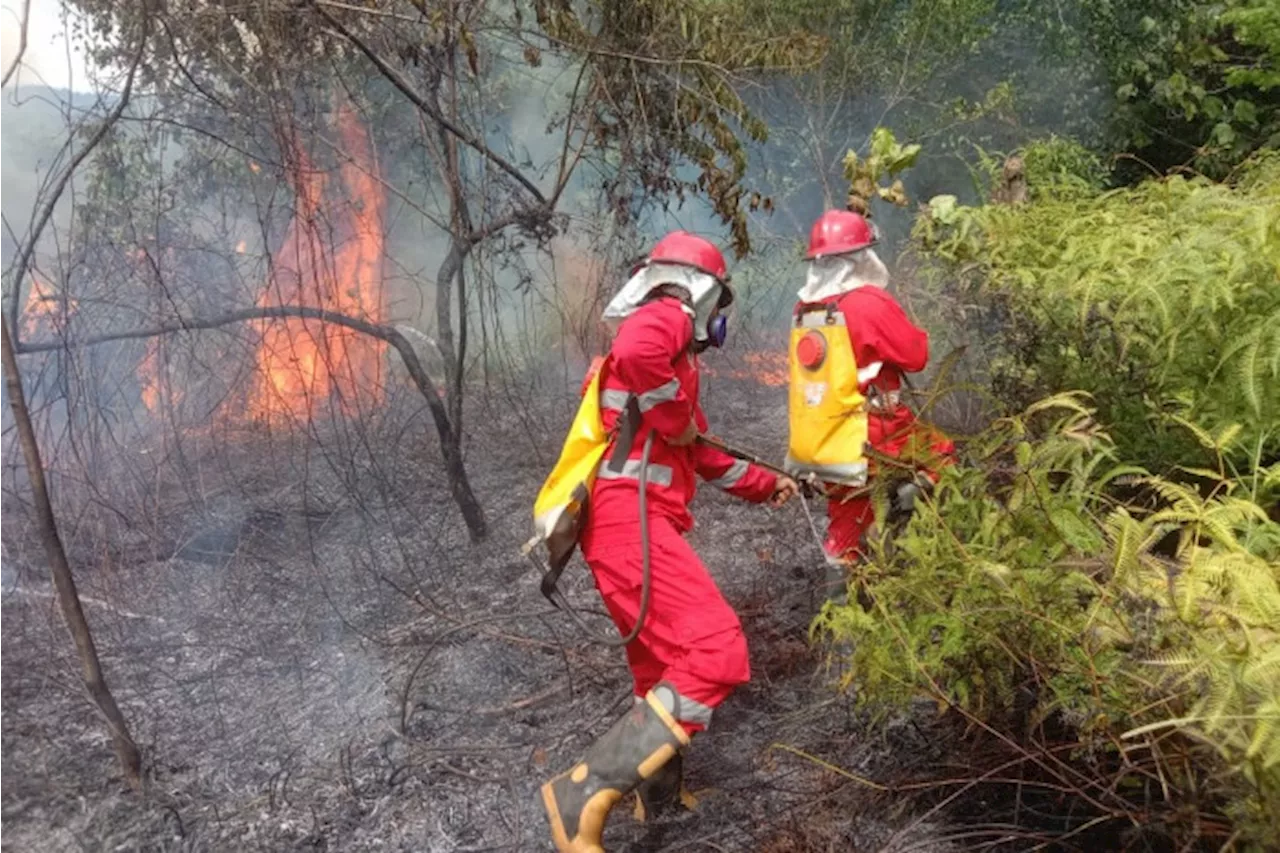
(1194, 81)
(662, 77)
(1159, 300)
(657, 82)
(1024, 594)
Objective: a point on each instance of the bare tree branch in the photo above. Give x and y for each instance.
(397, 79)
(458, 482)
(42, 220)
(59, 566)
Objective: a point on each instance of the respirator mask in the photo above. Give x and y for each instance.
(715, 328)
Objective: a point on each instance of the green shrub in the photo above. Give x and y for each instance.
(1160, 300)
(1028, 595)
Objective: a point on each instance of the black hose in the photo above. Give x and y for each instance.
(646, 569)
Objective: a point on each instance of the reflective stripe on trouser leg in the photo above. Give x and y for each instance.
(690, 629)
(682, 708)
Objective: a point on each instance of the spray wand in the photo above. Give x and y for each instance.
(808, 481)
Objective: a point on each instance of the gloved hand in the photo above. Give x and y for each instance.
(905, 499)
(784, 489)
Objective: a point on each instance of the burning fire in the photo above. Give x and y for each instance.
(154, 372)
(331, 259)
(763, 366)
(43, 309)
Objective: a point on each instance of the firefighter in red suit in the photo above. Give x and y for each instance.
(845, 314)
(690, 653)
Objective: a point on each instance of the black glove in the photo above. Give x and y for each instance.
(904, 499)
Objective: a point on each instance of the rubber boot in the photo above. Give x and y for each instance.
(664, 792)
(634, 749)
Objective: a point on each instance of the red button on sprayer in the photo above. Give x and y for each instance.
(812, 350)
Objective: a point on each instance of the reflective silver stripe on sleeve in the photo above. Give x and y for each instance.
(732, 477)
(614, 398)
(871, 371)
(884, 401)
(659, 475)
(664, 393)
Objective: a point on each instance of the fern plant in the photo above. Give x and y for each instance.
(1158, 299)
(1047, 582)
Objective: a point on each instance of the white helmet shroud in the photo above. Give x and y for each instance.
(703, 288)
(834, 275)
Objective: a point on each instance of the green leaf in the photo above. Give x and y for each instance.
(1245, 112)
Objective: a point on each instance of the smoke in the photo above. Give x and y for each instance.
(52, 58)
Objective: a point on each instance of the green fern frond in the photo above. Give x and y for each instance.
(1201, 434)
(1179, 661)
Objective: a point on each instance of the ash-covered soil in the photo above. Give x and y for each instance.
(313, 656)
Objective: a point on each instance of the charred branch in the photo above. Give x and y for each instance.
(460, 486)
(451, 269)
(453, 266)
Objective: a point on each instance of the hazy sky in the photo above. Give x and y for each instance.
(46, 61)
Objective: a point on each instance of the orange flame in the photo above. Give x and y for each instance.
(764, 366)
(43, 309)
(331, 259)
(154, 372)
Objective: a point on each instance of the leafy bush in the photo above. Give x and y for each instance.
(1161, 300)
(1194, 81)
(1028, 596)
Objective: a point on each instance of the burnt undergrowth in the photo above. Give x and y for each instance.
(313, 655)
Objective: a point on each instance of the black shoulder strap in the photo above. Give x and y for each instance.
(830, 308)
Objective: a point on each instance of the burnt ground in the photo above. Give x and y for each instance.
(313, 657)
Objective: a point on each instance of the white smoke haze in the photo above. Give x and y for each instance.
(52, 59)
(309, 648)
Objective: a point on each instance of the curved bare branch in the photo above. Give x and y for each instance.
(458, 482)
(91, 674)
(46, 213)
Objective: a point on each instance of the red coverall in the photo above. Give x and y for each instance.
(886, 345)
(691, 636)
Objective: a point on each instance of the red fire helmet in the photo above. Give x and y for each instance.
(839, 232)
(681, 247)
